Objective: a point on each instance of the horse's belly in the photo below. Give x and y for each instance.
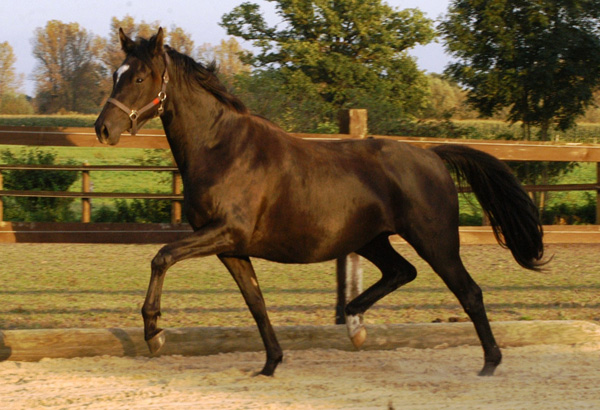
(307, 242)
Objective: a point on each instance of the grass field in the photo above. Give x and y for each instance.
(101, 286)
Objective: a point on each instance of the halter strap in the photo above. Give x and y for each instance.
(159, 100)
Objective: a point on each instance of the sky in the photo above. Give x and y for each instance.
(199, 18)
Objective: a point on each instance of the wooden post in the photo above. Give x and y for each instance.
(348, 271)
(86, 206)
(353, 122)
(598, 193)
(1, 202)
(175, 204)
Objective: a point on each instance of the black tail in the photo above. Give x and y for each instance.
(514, 217)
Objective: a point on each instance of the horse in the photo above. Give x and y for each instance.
(253, 191)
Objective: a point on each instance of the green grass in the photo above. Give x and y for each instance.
(100, 286)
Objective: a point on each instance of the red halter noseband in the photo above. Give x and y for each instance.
(159, 100)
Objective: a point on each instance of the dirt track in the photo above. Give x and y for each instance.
(535, 377)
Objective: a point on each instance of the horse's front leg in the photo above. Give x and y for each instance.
(206, 241)
(243, 273)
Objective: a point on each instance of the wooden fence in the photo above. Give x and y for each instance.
(353, 126)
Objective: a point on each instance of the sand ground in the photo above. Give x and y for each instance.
(546, 377)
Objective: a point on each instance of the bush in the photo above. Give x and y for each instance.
(136, 210)
(15, 104)
(36, 209)
(572, 213)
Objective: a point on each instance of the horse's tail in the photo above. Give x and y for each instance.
(513, 215)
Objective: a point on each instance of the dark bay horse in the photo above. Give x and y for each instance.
(251, 190)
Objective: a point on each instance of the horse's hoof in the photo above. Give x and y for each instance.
(488, 369)
(156, 342)
(356, 330)
(359, 338)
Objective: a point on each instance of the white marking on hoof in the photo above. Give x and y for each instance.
(356, 330)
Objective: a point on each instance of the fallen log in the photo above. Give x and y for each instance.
(34, 345)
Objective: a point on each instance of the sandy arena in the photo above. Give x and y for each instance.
(535, 377)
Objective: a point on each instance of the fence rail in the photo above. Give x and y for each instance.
(86, 193)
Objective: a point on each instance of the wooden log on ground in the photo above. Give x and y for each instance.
(34, 345)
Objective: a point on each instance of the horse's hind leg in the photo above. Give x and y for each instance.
(444, 258)
(395, 272)
(243, 273)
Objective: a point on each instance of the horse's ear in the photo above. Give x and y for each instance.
(157, 41)
(127, 44)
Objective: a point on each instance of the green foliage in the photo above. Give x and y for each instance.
(36, 209)
(540, 59)
(136, 210)
(343, 54)
(446, 100)
(572, 213)
(435, 129)
(292, 102)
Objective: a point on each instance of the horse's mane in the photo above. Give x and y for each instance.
(195, 74)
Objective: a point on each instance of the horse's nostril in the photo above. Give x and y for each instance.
(105, 132)
(102, 133)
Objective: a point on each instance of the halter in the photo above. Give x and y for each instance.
(159, 100)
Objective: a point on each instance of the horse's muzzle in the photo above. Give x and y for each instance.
(104, 135)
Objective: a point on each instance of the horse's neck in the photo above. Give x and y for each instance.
(193, 128)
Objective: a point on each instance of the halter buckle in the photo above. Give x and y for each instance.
(133, 115)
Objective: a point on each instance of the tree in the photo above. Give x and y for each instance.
(292, 103)
(447, 100)
(113, 56)
(353, 52)
(227, 56)
(10, 82)
(180, 40)
(539, 58)
(12, 101)
(68, 72)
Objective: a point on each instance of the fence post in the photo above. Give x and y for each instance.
(175, 204)
(598, 193)
(348, 270)
(1, 202)
(86, 206)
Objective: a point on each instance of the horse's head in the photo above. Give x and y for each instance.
(139, 88)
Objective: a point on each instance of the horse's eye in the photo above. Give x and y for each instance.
(139, 80)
